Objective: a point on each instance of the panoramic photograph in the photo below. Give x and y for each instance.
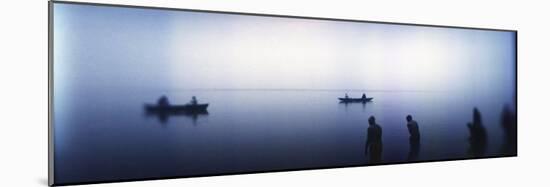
(142, 93)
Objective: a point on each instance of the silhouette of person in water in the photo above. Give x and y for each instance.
(414, 138)
(163, 101)
(412, 125)
(478, 135)
(509, 125)
(373, 147)
(194, 100)
(364, 96)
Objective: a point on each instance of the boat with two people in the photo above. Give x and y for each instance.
(164, 106)
(362, 99)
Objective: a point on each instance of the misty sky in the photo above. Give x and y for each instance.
(128, 48)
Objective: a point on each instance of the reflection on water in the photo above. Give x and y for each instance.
(363, 104)
(163, 117)
(244, 132)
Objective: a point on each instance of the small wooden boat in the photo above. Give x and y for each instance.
(174, 109)
(355, 100)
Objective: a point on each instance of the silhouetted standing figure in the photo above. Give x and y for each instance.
(478, 135)
(414, 138)
(364, 96)
(163, 101)
(194, 100)
(412, 125)
(346, 96)
(373, 147)
(509, 125)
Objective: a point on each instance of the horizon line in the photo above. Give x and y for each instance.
(302, 89)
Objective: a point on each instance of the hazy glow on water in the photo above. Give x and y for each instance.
(272, 84)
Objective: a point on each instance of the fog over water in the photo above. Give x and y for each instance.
(138, 48)
(272, 84)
